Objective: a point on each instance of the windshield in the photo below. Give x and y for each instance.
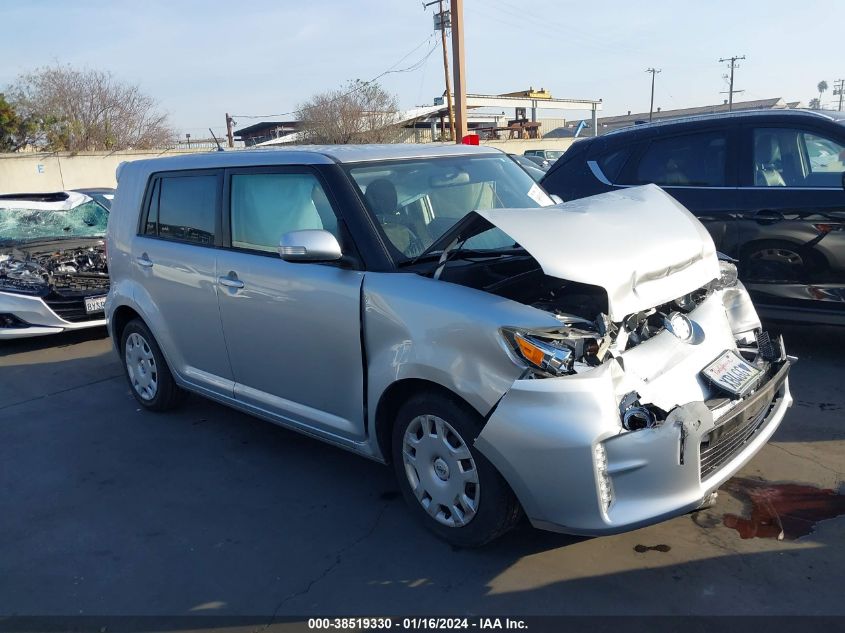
(554, 154)
(416, 201)
(20, 224)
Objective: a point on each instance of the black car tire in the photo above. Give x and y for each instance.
(146, 354)
(497, 508)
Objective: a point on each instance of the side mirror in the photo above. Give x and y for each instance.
(309, 245)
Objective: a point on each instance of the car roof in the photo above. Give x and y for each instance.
(779, 114)
(305, 155)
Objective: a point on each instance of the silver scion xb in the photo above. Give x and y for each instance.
(594, 365)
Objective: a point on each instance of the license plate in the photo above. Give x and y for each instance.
(95, 304)
(732, 373)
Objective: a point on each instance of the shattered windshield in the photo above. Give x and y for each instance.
(416, 201)
(20, 224)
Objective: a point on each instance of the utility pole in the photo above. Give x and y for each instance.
(653, 72)
(230, 125)
(731, 90)
(459, 64)
(441, 22)
(839, 89)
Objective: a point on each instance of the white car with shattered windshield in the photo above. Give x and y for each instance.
(594, 365)
(53, 275)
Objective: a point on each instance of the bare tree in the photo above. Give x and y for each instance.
(88, 110)
(360, 112)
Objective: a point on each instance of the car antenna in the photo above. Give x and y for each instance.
(216, 140)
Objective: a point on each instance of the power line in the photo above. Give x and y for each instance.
(838, 89)
(733, 66)
(360, 86)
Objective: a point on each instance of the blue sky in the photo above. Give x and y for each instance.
(200, 59)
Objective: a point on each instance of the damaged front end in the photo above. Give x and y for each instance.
(656, 387)
(47, 285)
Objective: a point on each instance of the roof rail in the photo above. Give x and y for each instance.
(722, 115)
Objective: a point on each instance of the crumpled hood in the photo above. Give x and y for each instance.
(639, 244)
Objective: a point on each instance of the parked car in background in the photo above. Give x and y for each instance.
(53, 273)
(550, 155)
(103, 195)
(768, 185)
(530, 166)
(540, 162)
(430, 307)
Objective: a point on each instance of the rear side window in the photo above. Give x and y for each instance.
(184, 208)
(611, 163)
(266, 206)
(693, 160)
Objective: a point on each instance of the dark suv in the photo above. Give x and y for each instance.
(768, 185)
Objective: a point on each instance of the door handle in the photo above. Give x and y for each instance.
(230, 283)
(144, 261)
(767, 216)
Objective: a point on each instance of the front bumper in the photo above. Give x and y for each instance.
(35, 318)
(543, 434)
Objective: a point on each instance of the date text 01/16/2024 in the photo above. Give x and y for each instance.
(414, 624)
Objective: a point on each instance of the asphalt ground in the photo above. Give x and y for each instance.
(106, 509)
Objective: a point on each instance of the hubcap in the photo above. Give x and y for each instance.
(441, 470)
(141, 366)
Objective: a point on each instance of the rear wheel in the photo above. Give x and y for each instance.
(450, 486)
(146, 370)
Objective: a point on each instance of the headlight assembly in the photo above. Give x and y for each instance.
(728, 275)
(552, 352)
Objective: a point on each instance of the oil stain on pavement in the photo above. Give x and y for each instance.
(783, 511)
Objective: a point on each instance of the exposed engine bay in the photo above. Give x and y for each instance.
(67, 268)
(587, 336)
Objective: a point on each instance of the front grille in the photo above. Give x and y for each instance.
(71, 306)
(729, 438)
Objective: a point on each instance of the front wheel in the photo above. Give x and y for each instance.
(451, 487)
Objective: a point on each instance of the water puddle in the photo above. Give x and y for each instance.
(781, 511)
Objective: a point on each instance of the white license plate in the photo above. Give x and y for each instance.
(95, 304)
(732, 373)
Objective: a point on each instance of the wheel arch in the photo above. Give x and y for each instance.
(395, 396)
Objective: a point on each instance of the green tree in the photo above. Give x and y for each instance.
(15, 131)
(822, 87)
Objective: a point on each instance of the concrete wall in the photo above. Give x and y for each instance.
(37, 173)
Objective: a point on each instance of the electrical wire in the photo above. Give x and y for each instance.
(360, 86)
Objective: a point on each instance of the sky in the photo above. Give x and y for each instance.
(201, 59)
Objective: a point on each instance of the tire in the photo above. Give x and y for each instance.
(454, 490)
(146, 370)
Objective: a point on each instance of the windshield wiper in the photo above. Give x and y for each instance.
(465, 254)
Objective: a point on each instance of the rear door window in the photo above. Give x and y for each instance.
(184, 208)
(691, 160)
(611, 163)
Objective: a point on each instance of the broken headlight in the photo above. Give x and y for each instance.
(22, 276)
(553, 352)
(728, 276)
